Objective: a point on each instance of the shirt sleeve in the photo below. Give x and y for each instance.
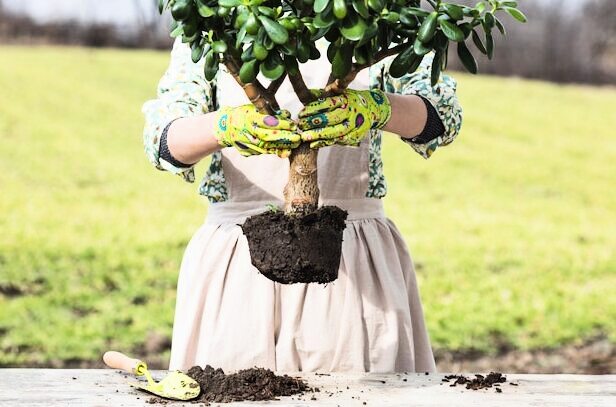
(442, 96)
(182, 91)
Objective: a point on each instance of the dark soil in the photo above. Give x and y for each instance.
(594, 356)
(478, 382)
(297, 249)
(256, 384)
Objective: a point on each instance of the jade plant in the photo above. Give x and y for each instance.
(275, 37)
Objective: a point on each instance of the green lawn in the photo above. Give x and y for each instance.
(511, 227)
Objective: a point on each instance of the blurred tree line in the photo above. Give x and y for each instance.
(149, 30)
(557, 44)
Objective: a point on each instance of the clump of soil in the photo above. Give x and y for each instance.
(479, 382)
(255, 384)
(297, 249)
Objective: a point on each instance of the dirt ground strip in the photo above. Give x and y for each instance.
(596, 356)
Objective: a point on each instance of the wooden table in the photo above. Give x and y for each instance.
(105, 387)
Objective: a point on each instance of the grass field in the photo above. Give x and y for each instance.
(511, 227)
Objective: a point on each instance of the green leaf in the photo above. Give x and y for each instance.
(303, 50)
(219, 46)
(319, 5)
(177, 31)
(273, 67)
(415, 62)
(500, 26)
(248, 71)
(204, 10)
(408, 19)
(342, 62)
(401, 63)
(468, 60)
(353, 28)
(229, 3)
(454, 11)
(369, 33)
(240, 36)
(437, 64)
(392, 18)
(325, 19)
(515, 13)
(275, 31)
(479, 43)
(291, 65)
(197, 52)
(451, 31)
(211, 65)
(259, 51)
(252, 24)
(331, 51)
(361, 55)
(420, 48)
(489, 20)
(417, 11)
(361, 7)
(489, 44)
(376, 5)
(248, 54)
(340, 9)
(267, 11)
(428, 28)
(314, 53)
(181, 9)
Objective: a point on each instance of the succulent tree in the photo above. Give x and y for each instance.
(275, 36)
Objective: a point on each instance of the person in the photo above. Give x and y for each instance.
(230, 316)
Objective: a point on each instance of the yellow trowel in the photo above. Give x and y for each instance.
(176, 385)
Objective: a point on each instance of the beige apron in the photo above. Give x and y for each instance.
(230, 316)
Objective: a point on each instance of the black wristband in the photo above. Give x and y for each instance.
(163, 150)
(434, 126)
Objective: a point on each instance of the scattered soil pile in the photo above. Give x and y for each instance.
(256, 384)
(479, 382)
(297, 249)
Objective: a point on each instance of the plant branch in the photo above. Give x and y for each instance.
(275, 84)
(300, 88)
(256, 92)
(337, 86)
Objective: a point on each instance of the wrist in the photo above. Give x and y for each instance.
(221, 126)
(382, 107)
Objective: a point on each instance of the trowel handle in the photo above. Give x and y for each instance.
(118, 360)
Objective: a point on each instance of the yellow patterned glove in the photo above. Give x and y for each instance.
(251, 132)
(344, 119)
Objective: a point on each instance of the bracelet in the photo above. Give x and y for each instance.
(163, 151)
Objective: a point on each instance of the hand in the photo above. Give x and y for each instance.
(344, 119)
(251, 132)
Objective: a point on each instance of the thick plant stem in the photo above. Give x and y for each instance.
(301, 194)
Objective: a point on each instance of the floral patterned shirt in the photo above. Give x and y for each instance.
(183, 91)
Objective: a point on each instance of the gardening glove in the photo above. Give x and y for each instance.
(251, 132)
(343, 119)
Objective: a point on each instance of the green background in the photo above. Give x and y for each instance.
(511, 227)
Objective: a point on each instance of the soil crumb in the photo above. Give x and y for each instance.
(255, 384)
(297, 249)
(477, 383)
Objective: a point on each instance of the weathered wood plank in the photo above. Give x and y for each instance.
(104, 387)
